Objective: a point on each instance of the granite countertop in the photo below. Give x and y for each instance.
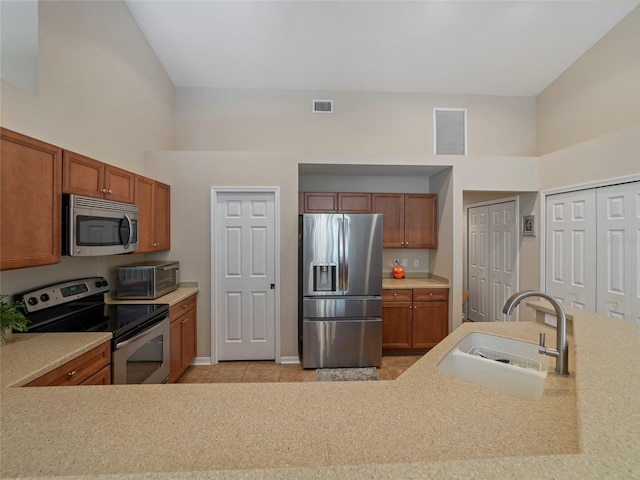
(27, 356)
(425, 424)
(419, 282)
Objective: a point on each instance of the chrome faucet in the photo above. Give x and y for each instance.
(562, 346)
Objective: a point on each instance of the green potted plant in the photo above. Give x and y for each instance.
(11, 318)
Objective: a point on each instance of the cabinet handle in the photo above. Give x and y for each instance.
(184, 306)
(185, 320)
(431, 294)
(395, 294)
(104, 190)
(109, 192)
(72, 373)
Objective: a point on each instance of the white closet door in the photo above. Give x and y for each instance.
(619, 251)
(478, 254)
(570, 265)
(503, 254)
(492, 259)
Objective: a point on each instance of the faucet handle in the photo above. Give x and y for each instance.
(542, 339)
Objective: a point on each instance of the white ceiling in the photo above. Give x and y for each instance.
(469, 47)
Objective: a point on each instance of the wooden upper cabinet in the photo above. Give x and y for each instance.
(354, 202)
(410, 220)
(30, 201)
(162, 216)
(391, 206)
(420, 221)
(320, 202)
(119, 184)
(85, 176)
(329, 202)
(154, 224)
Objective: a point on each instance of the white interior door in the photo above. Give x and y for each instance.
(245, 275)
(570, 266)
(504, 265)
(478, 254)
(618, 258)
(492, 252)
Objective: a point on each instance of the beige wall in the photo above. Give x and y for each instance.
(192, 174)
(597, 95)
(103, 93)
(377, 123)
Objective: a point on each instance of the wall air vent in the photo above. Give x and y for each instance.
(322, 106)
(450, 131)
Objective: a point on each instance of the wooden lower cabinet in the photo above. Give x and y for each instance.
(414, 321)
(183, 336)
(90, 368)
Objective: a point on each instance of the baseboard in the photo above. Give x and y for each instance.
(201, 361)
(289, 360)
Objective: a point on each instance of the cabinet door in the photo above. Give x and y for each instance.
(161, 216)
(391, 206)
(119, 185)
(396, 325)
(103, 377)
(421, 221)
(82, 175)
(354, 202)
(189, 337)
(430, 323)
(144, 201)
(175, 350)
(320, 202)
(78, 370)
(30, 201)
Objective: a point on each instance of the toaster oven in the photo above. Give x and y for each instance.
(147, 280)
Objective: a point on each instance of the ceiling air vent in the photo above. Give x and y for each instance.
(322, 106)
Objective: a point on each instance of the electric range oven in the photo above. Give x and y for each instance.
(140, 344)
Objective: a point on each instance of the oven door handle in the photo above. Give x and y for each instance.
(157, 326)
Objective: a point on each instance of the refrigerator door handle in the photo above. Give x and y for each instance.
(344, 256)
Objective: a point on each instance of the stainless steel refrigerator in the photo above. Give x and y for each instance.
(341, 290)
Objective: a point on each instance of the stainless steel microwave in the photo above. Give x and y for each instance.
(93, 227)
(147, 280)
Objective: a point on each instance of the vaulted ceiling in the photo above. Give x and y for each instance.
(468, 47)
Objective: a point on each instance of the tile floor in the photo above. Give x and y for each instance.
(246, 372)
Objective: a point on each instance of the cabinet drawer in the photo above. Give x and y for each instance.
(396, 295)
(78, 370)
(430, 294)
(183, 306)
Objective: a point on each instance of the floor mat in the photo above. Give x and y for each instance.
(346, 374)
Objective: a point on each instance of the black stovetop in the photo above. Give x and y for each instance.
(78, 306)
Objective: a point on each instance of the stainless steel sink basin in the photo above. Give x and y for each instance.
(504, 364)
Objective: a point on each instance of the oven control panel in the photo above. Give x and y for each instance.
(60, 293)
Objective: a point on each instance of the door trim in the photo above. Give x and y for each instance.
(516, 199)
(215, 264)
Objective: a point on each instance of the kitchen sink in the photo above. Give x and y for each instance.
(504, 364)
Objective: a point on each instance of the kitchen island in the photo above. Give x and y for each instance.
(425, 424)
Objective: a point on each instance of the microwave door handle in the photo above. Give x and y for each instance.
(130, 239)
